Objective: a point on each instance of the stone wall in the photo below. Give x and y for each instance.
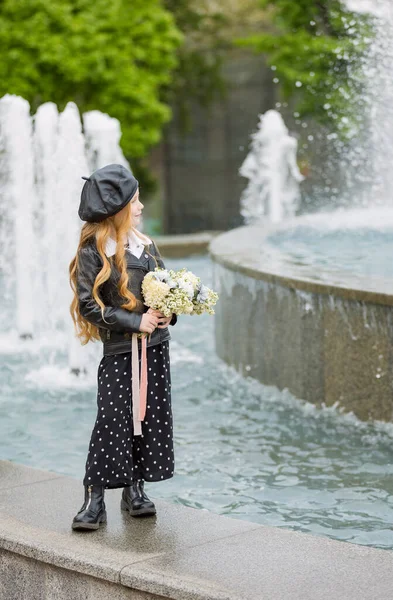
(25, 578)
(200, 170)
(181, 553)
(326, 343)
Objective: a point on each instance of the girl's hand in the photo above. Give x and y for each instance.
(148, 323)
(163, 321)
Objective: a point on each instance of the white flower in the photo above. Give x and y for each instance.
(172, 283)
(161, 275)
(203, 294)
(175, 291)
(193, 279)
(154, 292)
(187, 287)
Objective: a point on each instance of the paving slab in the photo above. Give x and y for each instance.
(35, 521)
(13, 474)
(182, 553)
(271, 564)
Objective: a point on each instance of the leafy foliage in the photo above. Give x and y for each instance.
(315, 48)
(113, 56)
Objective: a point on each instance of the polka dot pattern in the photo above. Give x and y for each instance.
(115, 455)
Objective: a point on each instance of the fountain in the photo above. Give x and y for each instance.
(273, 190)
(103, 135)
(306, 302)
(17, 201)
(299, 309)
(45, 141)
(42, 160)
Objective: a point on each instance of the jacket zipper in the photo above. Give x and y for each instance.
(90, 487)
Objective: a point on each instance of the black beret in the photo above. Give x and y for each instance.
(106, 192)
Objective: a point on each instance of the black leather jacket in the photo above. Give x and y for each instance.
(119, 324)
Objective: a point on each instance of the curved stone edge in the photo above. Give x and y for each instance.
(32, 537)
(182, 245)
(50, 548)
(325, 348)
(222, 559)
(235, 250)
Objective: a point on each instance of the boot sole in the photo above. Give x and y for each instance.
(89, 526)
(142, 512)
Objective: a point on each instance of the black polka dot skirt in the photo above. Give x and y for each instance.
(115, 455)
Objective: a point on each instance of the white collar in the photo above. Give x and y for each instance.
(136, 245)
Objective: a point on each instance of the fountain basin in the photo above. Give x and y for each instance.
(317, 325)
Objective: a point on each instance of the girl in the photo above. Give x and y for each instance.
(126, 447)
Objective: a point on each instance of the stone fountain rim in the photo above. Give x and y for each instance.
(235, 250)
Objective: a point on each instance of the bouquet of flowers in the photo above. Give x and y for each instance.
(179, 292)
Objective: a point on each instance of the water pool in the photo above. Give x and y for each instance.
(359, 243)
(365, 252)
(241, 449)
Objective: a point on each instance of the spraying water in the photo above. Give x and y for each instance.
(42, 160)
(17, 200)
(46, 278)
(103, 135)
(70, 162)
(366, 163)
(378, 71)
(273, 189)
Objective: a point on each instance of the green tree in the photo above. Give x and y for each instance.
(315, 48)
(115, 56)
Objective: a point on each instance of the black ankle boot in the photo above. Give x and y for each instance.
(93, 510)
(134, 500)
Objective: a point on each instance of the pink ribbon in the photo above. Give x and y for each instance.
(139, 387)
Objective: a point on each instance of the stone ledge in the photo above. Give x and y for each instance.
(308, 331)
(182, 245)
(182, 553)
(244, 250)
(29, 579)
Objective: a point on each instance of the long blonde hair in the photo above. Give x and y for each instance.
(117, 226)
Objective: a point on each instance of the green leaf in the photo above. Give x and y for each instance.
(316, 48)
(112, 56)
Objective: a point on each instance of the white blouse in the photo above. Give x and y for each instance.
(135, 244)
